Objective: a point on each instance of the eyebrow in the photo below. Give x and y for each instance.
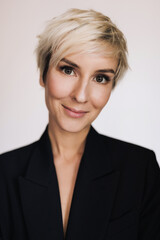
(69, 62)
(98, 71)
(106, 71)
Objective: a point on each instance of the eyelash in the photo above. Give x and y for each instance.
(62, 68)
(105, 77)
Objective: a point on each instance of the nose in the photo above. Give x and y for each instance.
(80, 92)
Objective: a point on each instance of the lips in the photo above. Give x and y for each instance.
(75, 110)
(74, 113)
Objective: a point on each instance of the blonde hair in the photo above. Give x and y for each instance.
(81, 31)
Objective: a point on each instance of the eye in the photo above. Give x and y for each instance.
(102, 78)
(67, 70)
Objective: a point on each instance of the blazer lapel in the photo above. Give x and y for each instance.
(92, 200)
(40, 204)
(94, 192)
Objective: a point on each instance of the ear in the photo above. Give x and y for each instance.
(41, 81)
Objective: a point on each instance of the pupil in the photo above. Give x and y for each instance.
(99, 79)
(68, 71)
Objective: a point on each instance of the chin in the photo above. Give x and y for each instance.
(74, 127)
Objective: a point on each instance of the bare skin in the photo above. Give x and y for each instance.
(75, 92)
(67, 160)
(66, 174)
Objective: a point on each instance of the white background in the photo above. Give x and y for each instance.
(133, 112)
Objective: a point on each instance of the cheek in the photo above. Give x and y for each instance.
(100, 97)
(58, 88)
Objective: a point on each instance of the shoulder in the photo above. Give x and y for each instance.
(121, 145)
(16, 160)
(136, 164)
(19, 152)
(128, 153)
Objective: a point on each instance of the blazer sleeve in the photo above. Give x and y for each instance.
(149, 227)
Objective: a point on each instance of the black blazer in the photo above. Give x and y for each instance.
(116, 195)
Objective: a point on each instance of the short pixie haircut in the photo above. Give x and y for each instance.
(81, 31)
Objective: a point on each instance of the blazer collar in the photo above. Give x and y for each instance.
(97, 157)
(93, 194)
(41, 161)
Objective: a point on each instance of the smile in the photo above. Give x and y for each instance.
(75, 113)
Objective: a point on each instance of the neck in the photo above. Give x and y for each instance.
(66, 145)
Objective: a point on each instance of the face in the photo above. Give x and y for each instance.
(77, 89)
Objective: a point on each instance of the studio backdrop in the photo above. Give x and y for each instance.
(133, 112)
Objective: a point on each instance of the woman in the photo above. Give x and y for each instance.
(75, 183)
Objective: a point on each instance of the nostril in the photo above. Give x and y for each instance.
(81, 93)
(80, 96)
(79, 100)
